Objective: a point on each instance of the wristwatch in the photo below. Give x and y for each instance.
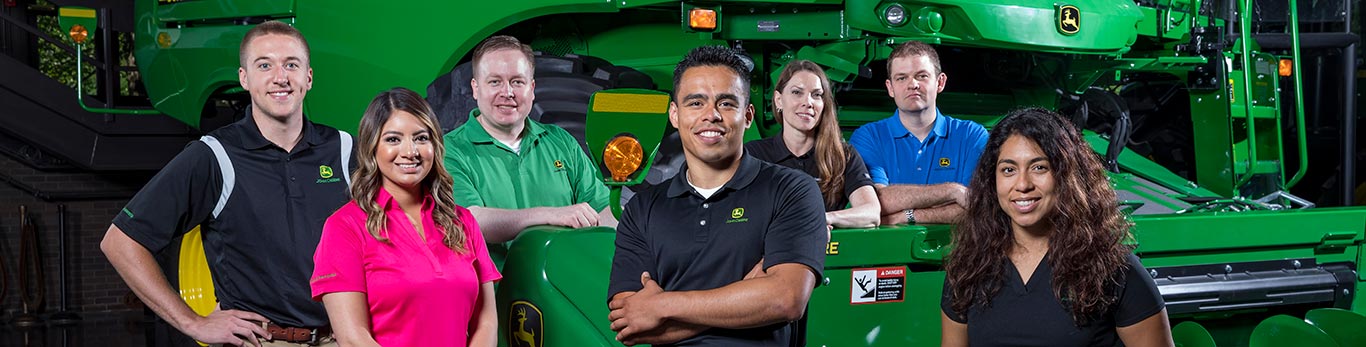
(910, 216)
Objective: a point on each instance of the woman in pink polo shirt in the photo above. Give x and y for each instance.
(402, 264)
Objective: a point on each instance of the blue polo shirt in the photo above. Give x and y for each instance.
(947, 154)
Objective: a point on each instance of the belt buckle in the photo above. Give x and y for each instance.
(312, 337)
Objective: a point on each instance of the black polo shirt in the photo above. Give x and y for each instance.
(1030, 315)
(260, 247)
(773, 150)
(687, 242)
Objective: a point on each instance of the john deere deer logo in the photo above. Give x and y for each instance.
(1069, 19)
(324, 171)
(524, 325)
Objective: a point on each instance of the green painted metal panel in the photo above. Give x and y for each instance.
(1106, 27)
(1211, 232)
(889, 245)
(194, 10)
(1140, 166)
(842, 60)
(1213, 137)
(648, 127)
(834, 321)
(350, 64)
(199, 62)
(564, 273)
(810, 2)
(785, 25)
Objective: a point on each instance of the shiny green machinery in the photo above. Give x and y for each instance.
(1239, 261)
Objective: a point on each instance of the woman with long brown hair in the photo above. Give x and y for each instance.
(402, 255)
(811, 142)
(1040, 258)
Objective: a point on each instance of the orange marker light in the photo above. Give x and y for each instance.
(164, 40)
(78, 33)
(1285, 68)
(702, 19)
(623, 156)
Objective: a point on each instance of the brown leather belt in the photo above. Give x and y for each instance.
(311, 336)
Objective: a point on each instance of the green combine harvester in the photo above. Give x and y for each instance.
(1204, 169)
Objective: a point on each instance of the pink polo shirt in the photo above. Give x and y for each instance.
(418, 294)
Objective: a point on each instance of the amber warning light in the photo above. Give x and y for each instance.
(1285, 68)
(78, 33)
(622, 157)
(702, 19)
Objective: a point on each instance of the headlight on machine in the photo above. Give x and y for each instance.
(894, 15)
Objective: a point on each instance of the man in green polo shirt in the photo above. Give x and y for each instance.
(513, 172)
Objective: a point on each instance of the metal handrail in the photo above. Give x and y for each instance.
(1245, 49)
(80, 94)
(1299, 97)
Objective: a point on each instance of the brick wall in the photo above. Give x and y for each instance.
(92, 283)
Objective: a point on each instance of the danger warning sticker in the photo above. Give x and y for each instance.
(878, 285)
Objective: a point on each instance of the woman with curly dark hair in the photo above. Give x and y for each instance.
(1039, 260)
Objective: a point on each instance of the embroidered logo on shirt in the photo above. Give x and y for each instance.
(325, 174)
(737, 216)
(943, 162)
(524, 325)
(559, 165)
(322, 277)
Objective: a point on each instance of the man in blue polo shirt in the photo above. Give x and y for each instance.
(920, 159)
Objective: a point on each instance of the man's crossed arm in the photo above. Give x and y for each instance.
(654, 316)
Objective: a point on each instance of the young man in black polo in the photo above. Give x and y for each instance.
(260, 189)
(684, 248)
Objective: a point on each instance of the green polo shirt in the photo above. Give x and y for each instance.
(551, 170)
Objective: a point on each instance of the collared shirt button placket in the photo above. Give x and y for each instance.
(705, 206)
(702, 235)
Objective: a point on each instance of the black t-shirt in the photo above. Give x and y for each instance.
(1030, 315)
(773, 150)
(260, 246)
(687, 242)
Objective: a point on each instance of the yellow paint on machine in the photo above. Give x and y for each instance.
(76, 12)
(630, 103)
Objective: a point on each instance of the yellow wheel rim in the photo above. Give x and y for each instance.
(196, 284)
